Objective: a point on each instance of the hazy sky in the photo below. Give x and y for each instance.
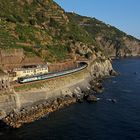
(124, 14)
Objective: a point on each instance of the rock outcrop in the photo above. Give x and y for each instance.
(123, 47)
(100, 69)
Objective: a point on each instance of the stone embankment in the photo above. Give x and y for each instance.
(30, 103)
(16, 119)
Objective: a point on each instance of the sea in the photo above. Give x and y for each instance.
(104, 120)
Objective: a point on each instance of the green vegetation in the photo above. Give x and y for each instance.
(103, 33)
(79, 34)
(95, 27)
(26, 33)
(57, 52)
(40, 23)
(28, 87)
(27, 24)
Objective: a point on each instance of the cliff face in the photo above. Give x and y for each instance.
(101, 69)
(119, 48)
(110, 40)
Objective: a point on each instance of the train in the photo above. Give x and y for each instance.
(34, 78)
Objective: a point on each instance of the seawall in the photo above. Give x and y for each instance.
(30, 97)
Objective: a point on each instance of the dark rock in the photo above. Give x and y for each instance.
(113, 73)
(80, 100)
(112, 100)
(59, 100)
(67, 96)
(98, 88)
(92, 98)
(135, 73)
(99, 85)
(85, 96)
(74, 95)
(96, 85)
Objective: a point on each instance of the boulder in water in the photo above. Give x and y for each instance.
(113, 73)
(92, 98)
(112, 100)
(80, 100)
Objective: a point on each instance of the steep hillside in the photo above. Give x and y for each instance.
(110, 39)
(41, 28)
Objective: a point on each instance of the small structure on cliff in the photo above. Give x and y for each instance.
(28, 71)
(4, 81)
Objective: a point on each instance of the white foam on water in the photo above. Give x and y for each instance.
(128, 91)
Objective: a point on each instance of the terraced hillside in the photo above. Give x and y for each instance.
(41, 28)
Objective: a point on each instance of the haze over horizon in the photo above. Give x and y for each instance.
(121, 14)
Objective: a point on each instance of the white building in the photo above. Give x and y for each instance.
(26, 72)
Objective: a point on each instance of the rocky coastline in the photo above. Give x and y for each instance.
(29, 114)
(85, 90)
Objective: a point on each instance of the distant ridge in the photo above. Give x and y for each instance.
(110, 39)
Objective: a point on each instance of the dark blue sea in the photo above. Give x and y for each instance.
(103, 120)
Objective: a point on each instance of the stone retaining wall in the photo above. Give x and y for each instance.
(70, 85)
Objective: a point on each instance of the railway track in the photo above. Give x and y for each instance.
(56, 76)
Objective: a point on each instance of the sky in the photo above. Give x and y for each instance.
(123, 14)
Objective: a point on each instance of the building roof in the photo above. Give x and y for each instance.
(33, 68)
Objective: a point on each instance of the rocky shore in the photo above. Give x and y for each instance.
(27, 115)
(31, 113)
(27, 106)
